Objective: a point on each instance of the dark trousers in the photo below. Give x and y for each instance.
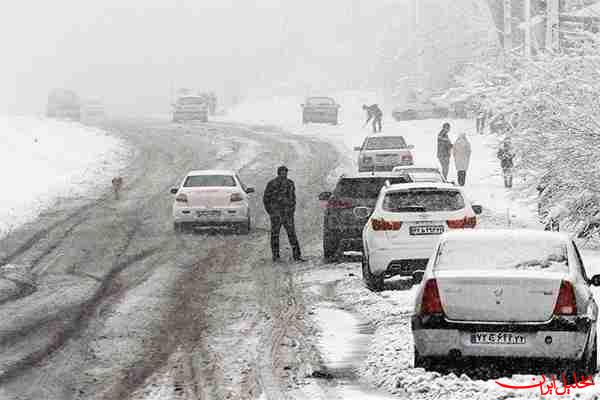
(507, 173)
(445, 163)
(377, 124)
(287, 220)
(480, 124)
(462, 177)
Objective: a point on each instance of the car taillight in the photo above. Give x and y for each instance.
(236, 197)
(181, 198)
(466, 222)
(431, 303)
(383, 225)
(336, 204)
(407, 157)
(565, 303)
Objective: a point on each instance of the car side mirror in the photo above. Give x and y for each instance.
(410, 146)
(477, 209)
(249, 190)
(357, 148)
(325, 196)
(595, 280)
(174, 190)
(362, 212)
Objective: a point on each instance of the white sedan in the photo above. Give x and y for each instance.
(212, 198)
(506, 293)
(401, 233)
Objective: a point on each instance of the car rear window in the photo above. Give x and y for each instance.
(517, 253)
(425, 177)
(364, 188)
(320, 101)
(209, 181)
(385, 142)
(423, 200)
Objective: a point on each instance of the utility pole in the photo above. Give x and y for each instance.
(527, 44)
(508, 44)
(552, 25)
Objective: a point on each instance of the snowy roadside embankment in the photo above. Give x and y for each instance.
(484, 177)
(43, 160)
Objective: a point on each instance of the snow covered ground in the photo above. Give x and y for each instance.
(387, 360)
(484, 179)
(43, 160)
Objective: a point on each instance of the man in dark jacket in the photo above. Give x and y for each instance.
(280, 203)
(506, 156)
(444, 149)
(373, 113)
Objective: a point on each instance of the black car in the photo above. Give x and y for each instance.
(343, 222)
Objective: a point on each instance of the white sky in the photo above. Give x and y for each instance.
(130, 53)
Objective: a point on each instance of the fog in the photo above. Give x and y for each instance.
(132, 54)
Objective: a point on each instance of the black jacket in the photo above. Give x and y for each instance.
(279, 196)
(506, 158)
(373, 111)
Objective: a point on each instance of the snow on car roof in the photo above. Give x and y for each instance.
(422, 185)
(528, 235)
(416, 166)
(211, 172)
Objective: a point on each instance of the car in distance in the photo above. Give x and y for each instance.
(420, 173)
(190, 108)
(383, 153)
(417, 110)
(506, 294)
(342, 224)
(402, 231)
(212, 198)
(64, 104)
(320, 109)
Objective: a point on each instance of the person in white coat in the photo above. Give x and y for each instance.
(462, 155)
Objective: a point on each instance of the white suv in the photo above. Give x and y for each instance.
(212, 198)
(405, 225)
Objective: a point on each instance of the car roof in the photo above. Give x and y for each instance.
(529, 235)
(421, 185)
(211, 172)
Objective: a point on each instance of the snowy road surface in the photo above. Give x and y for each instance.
(101, 300)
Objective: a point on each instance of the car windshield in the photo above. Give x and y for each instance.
(423, 200)
(209, 181)
(385, 142)
(513, 253)
(320, 101)
(364, 188)
(190, 100)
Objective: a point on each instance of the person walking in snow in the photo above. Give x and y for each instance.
(462, 155)
(444, 149)
(373, 113)
(506, 156)
(279, 200)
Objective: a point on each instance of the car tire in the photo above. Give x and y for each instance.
(178, 227)
(331, 243)
(421, 362)
(373, 282)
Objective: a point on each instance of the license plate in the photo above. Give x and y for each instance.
(208, 213)
(500, 338)
(426, 230)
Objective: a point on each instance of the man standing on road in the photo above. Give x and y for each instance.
(373, 113)
(280, 203)
(444, 148)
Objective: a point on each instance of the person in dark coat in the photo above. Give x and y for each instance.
(373, 113)
(444, 149)
(280, 203)
(506, 156)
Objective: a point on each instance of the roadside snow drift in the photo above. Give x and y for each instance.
(42, 160)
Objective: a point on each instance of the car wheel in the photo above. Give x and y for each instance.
(177, 227)
(373, 282)
(331, 243)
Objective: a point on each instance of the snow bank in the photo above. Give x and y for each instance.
(42, 160)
